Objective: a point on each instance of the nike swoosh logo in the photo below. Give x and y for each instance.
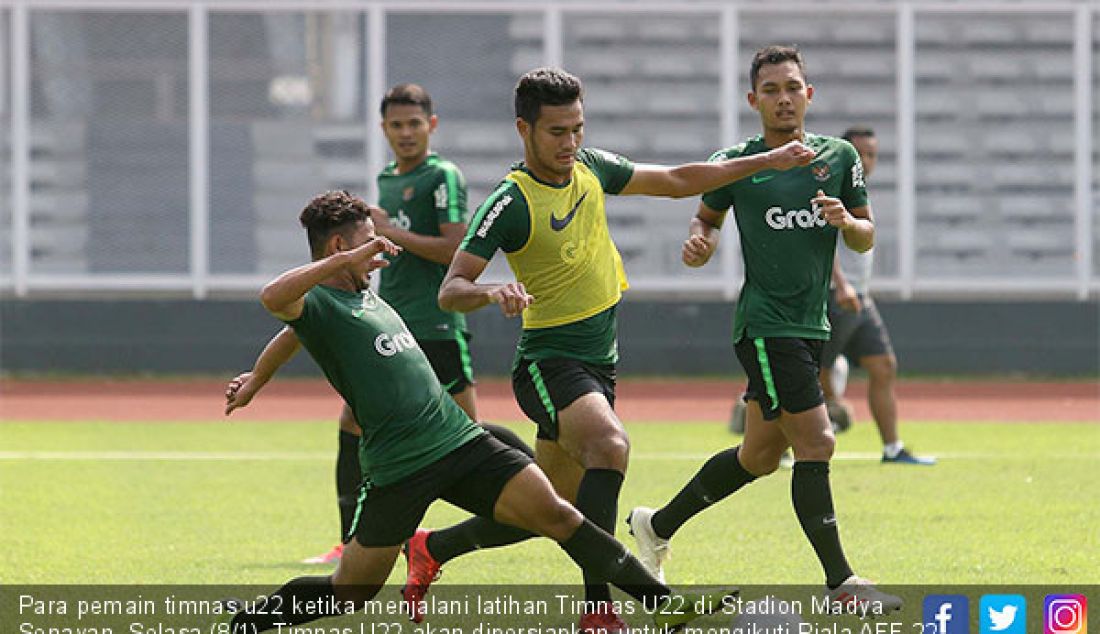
(756, 180)
(558, 225)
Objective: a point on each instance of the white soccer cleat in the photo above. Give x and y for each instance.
(652, 550)
(860, 597)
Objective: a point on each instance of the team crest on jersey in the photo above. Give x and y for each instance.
(821, 172)
(408, 193)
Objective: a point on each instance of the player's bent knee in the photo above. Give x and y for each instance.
(557, 520)
(609, 452)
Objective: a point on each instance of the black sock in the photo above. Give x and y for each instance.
(277, 609)
(348, 478)
(476, 532)
(599, 554)
(717, 479)
(813, 503)
(598, 501)
(509, 437)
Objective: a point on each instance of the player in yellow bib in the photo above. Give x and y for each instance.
(548, 216)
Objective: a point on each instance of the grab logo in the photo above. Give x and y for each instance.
(388, 345)
(796, 218)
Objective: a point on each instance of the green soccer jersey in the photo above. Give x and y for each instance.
(432, 194)
(504, 222)
(375, 364)
(787, 246)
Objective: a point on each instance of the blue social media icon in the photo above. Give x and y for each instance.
(1003, 614)
(946, 614)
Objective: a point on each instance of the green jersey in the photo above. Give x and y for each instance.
(375, 364)
(432, 194)
(557, 243)
(788, 247)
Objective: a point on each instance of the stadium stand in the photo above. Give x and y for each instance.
(994, 131)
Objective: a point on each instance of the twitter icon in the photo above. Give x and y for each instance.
(1003, 614)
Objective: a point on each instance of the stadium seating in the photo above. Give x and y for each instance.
(994, 134)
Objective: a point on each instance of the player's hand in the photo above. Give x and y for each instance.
(239, 391)
(847, 298)
(370, 250)
(381, 220)
(790, 154)
(512, 298)
(696, 251)
(832, 210)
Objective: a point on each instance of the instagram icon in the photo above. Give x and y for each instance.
(1065, 614)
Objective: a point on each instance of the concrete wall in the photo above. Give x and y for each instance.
(182, 336)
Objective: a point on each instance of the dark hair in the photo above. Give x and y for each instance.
(545, 87)
(328, 213)
(407, 95)
(858, 131)
(774, 55)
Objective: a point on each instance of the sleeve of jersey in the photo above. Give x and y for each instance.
(450, 195)
(501, 222)
(720, 199)
(613, 170)
(853, 189)
(309, 304)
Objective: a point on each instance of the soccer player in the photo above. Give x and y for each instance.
(417, 444)
(860, 335)
(548, 216)
(423, 210)
(788, 222)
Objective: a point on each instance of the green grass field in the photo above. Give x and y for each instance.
(242, 503)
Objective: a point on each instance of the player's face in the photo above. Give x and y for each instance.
(408, 128)
(551, 144)
(363, 233)
(781, 96)
(867, 146)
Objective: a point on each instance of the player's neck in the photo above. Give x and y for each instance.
(404, 166)
(777, 138)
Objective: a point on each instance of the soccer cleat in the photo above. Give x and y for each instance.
(859, 596)
(331, 557)
(677, 610)
(420, 571)
(904, 457)
(737, 417)
(652, 549)
(605, 620)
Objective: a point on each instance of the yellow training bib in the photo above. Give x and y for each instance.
(569, 263)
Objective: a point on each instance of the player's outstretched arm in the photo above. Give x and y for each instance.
(460, 291)
(703, 234)
(690, 179)
(439, 248)
(241, 390)
(284, 296)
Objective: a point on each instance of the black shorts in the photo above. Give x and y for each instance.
(470, 477)
(544, 388)
(856, 335)
(450, 358)
(783, 373)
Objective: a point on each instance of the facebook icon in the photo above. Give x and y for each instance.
(946, 614)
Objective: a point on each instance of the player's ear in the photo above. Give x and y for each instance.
(751, 96)
(523, 127)
(809, 92)
(433, 123)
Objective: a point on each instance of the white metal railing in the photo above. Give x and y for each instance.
(199, 281)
